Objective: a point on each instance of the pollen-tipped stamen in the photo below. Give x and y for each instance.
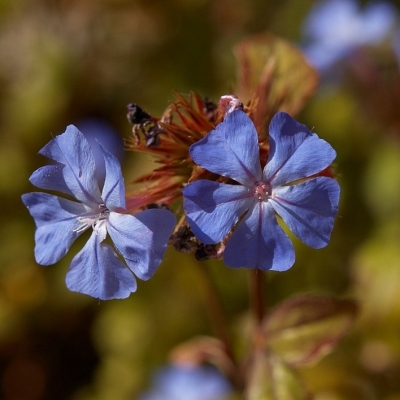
(92, 219)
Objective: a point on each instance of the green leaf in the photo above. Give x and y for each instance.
(270, 379)
(304, 329)
(273, 76)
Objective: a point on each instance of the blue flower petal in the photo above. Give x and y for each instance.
(338, 26)
(188, 383)
(259, 242)
(79, 172)
(56, 221)
(50, 177)
(309, 209)
(113, 190)
(213, 208)
(142, 238)
(98, 272)
(96, 132)
(295, 152)
(231, 149)
(378, 21)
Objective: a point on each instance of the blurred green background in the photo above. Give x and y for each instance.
(63, 61)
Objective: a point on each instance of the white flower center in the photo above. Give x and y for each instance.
(96, 220)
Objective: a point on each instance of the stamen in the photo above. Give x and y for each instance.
(262, 191)
(94, 220)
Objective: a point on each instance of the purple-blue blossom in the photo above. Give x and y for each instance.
(250, 204)
(334, 28)
(97, 270)
(188, 383)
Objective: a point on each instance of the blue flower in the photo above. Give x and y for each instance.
(188, 383)
(96, 270)
(308, 208)
(334, 28)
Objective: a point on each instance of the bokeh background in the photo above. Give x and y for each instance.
(82, 62)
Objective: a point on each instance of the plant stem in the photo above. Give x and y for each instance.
(256, 294)
(215, 309)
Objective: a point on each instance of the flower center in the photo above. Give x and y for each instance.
(93, 219)
(262, 191)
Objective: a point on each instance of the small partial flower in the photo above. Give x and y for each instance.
(141, 239)
(188, 383)
(307, 206)
(334, 28)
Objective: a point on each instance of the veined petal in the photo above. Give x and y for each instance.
(98, 272)
(79, 172)
(142, 238)
(295, 152)
(56, 223)
(231, 149)
(113, 190)
(50, 177)
(259, 242)
(309, 209)
(213, 208)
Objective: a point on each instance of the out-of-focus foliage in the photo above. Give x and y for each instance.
(62, 62)
(273, 74)
(302, 330)
(270, 379)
